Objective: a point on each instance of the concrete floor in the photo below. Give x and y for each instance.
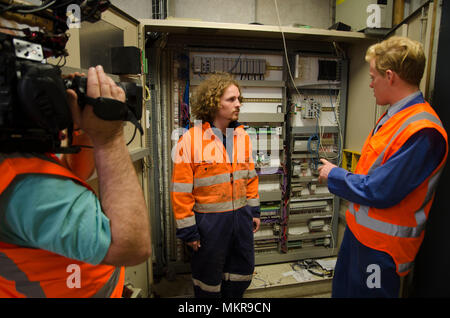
(269, 281)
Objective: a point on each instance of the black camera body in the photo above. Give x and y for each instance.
(111, 109)
(33, 99)
(33, 103)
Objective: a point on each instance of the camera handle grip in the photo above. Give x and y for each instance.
(112, 109)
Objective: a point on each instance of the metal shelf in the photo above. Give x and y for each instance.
(261, 117)
(217, 30)
(313, 129)
(309, 236)
(249, 83)
(267, 196)
(294, 255)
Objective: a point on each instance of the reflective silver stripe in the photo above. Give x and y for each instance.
(252, 174)
(239, 203)
(186, 222)
(220, 207)
(253, 202)
(237, 277)
(182, 187)
(240, 174)
(417, 117)
(206, 287)
(224, 177)
(362, 218)
(107, 289)
(405, 267)
(432, 184)
(208, 181)
(213, 207)
(10, 271)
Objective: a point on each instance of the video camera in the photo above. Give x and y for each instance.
(33, 101)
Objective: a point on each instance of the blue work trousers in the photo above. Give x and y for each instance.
(362, 272)
(224, 264)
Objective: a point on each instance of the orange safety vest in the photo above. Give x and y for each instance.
(398, 230)
(204, 178)
(32, 272)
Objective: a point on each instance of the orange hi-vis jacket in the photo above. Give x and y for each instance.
(397, 230)
(33, 272)
(205, 180)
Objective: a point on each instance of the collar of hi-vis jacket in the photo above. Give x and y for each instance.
(388, 135)
(14, 164)
(410, 100)
(238, 131)
(234, 124)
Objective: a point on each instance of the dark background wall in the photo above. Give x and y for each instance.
(431, 276)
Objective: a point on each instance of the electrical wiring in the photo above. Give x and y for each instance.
(134, 135)
(284, 209)
(285, 48)
(312, 267)
(62, 4)
(235, 64)
(284, 237)
(39, 8)
(147, 96)
(27, 9)
(318, 136)
(320, 132)
(337, 48)
(341, 138)
(336, 116)
(315, 159)
(184, 107)
(265, 284)
(183, 96)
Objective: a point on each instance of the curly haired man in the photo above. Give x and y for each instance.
(215, 191)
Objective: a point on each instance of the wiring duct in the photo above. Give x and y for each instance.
(161, 159)
(159, 121)
(165, 121)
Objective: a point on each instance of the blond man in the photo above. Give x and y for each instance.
(392, 189)
(215, 191)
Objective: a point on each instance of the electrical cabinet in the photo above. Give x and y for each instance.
(317, 93)
(293, 108)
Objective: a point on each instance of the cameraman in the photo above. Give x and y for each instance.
(57, 239)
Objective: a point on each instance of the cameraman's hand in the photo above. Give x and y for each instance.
(117, 179)
(98, 85)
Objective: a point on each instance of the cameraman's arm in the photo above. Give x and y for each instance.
(120, 192)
